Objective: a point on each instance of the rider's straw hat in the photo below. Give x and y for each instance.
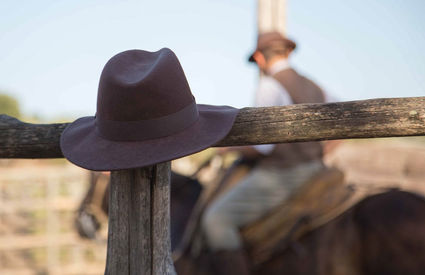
(146, 114)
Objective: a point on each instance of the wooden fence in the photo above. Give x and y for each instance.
(138, 237)
(38, 202)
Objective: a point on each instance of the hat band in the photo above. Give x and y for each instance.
(150, 128)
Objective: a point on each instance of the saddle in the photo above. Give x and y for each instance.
(321, 199)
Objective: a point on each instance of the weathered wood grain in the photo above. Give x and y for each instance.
(26, 140)
(389, 117)
(162, 262)
(139, 222)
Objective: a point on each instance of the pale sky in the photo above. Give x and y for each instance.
(52, 52)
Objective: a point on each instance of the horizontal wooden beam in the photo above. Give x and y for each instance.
(373, 118)
(26, 140)
(388, 117)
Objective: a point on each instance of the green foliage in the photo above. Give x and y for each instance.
(9, 106)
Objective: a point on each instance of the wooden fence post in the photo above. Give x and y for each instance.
(139, 222)
(271, 16)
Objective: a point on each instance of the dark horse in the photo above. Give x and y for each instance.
(381, 234)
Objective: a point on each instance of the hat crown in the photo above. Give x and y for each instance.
(139, 85)
(274, 38)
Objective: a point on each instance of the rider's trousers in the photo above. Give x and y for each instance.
(259, 192)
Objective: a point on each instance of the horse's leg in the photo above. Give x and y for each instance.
(85, 223)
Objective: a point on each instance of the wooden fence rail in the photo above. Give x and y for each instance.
(139, 237)
(372, 118)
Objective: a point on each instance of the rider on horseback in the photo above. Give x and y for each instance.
(280, 169)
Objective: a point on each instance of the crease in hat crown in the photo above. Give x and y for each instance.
(141, 90)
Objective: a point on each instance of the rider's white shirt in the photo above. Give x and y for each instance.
(271, 93)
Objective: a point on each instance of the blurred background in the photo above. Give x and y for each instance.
(53, 51)
(52, 54)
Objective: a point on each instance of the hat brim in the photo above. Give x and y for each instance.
(82, 145)
(251, 58)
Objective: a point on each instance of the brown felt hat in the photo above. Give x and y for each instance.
(146, 114)
(271, 39)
